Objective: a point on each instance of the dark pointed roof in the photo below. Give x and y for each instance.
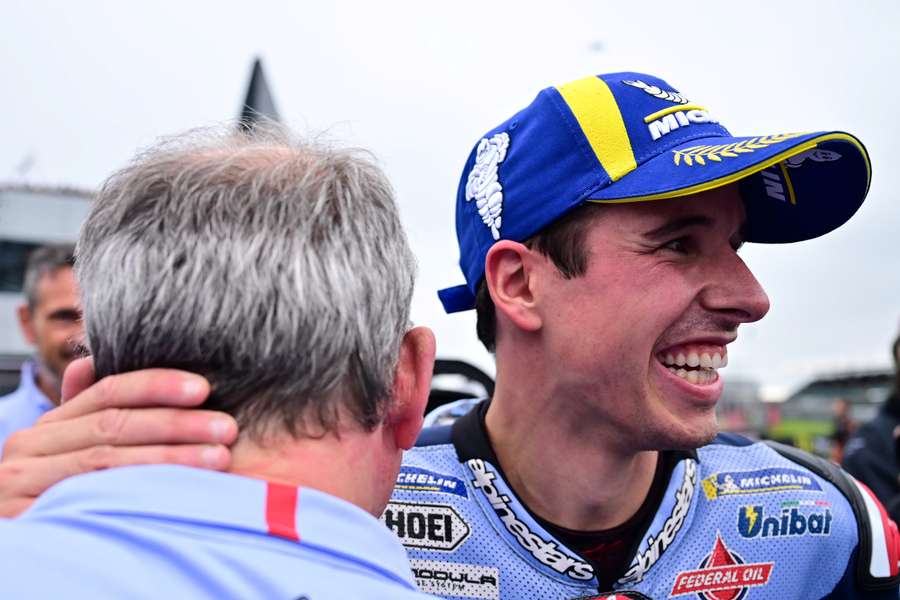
(258, 104)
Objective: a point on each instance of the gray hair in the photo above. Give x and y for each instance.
(276, 268)
(42, 261)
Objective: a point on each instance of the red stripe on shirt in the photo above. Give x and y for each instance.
(281, 510)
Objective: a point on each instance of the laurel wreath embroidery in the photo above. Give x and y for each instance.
(700, 154)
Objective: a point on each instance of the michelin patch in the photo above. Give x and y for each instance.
(758, 481)
(422, 480)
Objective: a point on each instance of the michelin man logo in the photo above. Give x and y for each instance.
(657, 92)
(483, 185)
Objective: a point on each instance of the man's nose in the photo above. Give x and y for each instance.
(736, 292)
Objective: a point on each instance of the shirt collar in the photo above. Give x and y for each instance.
(28, 386)
(322, 522)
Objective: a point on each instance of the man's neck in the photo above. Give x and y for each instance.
(345, 467)
(48, 383)
(589, 488)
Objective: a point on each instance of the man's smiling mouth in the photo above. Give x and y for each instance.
(695, 363)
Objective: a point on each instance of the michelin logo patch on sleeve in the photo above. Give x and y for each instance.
(759, 481)
(443, 578)
(423, 480)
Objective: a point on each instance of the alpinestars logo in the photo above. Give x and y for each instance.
(722, 575)
(547, 552)
(658, 544)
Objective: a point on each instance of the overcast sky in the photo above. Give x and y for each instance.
(83, 84)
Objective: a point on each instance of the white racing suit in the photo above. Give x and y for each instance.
(738, 520)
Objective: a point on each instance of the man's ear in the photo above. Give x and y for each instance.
(509, 270)
(412, 385)
(23, 312)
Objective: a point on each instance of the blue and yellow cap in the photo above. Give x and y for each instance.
(631, 137)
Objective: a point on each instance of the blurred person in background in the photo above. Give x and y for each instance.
(279, 271)
(871, 452)
(50, 320)
(844, 426)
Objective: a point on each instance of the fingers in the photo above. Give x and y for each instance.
(21, 481)
(150, 387)
(79, 375)
(123, 427)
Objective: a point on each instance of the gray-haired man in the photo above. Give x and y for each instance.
(281, 273)
(50, 320)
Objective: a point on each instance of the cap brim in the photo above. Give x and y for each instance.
(795, 186)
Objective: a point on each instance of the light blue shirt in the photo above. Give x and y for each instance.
(176, 532)
(20, 409)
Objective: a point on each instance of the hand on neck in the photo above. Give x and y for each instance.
(543, 454)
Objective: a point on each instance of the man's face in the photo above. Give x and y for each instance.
(53, 324)
(664, 289)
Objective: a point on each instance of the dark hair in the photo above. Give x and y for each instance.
(563, 242)
(44, 260)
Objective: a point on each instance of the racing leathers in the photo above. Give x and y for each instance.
(737, 520)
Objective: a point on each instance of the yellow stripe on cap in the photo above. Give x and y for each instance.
(596, 110)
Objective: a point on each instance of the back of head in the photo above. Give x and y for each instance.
(276, 268)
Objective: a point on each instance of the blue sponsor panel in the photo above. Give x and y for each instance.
(422, 480)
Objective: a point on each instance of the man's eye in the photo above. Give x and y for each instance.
(678, 245)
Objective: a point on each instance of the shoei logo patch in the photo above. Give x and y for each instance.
(752, 522)
(429, 526)
(483, 185)
(657, 92)
(456, 579)
(422, 480)
(545, 551)
(722, 575)
(658, 542)
(777, 479)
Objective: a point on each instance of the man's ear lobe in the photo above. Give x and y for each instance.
(509, 272)
(23, 313)
(412, 386)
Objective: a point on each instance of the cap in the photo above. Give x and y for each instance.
(631, 137)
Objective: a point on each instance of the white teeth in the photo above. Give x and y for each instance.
(705, 360)
(696, 376)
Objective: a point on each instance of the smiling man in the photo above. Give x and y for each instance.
(599, 231)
